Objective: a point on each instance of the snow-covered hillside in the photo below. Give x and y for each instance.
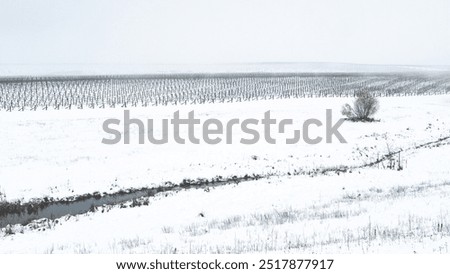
(122, 69)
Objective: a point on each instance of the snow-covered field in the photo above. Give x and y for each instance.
(58, 153)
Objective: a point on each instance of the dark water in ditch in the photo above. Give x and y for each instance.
(59, 209)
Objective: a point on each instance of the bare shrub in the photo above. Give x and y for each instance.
(364, 106)
(167, 229)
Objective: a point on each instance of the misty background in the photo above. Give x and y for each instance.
(76, 35)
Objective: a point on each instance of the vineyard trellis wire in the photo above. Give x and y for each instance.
(32, 93)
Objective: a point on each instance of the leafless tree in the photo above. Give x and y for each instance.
(364, 106)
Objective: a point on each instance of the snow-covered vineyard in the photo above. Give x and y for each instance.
(35, 93)
(386, 190)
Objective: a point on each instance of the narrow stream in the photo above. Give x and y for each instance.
(58, 209)
(22, 214)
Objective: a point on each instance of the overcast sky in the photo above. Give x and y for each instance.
(224, 31)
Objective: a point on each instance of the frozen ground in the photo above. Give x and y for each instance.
(368, 210)
(58, 154)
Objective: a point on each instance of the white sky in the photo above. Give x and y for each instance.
(224, 31)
